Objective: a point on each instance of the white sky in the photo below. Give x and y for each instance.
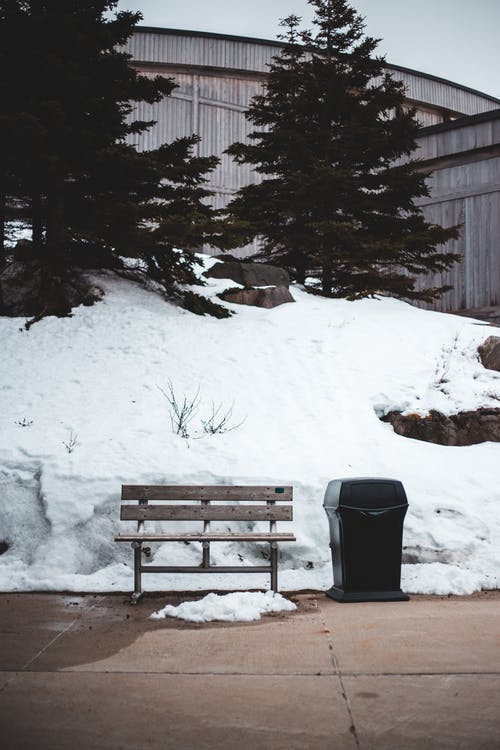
(453, 39)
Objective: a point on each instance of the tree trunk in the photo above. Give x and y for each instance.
(3, 200)
(300, 272)
(3, 248)
(36, 219)
(327, 276)
(56, 230)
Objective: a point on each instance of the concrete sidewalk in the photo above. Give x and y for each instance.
(93, 672)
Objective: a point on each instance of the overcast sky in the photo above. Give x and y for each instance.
(453, 39)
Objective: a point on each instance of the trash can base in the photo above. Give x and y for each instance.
(367, 596)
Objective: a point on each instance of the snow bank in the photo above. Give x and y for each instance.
(237, 607)
(82, 411)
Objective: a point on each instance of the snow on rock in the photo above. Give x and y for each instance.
(242, 606)
(83, 410)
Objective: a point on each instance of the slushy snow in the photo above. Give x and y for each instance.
(240, 606)
(83, 411)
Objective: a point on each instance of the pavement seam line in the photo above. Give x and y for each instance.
(336, 665)
(421, 674)
(15, 673)
(8, 682)
(50, 643)
(68, 670)
(85, 673)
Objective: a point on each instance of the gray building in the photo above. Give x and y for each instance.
(217, 76)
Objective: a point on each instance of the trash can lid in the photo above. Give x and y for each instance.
(365, 492)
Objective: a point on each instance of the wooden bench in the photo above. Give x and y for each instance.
(205, 504)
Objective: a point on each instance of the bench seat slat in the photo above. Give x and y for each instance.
(206, 513)
(211, 569)
(259, 493)
(212, 536)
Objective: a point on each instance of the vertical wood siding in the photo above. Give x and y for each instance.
(468, 194)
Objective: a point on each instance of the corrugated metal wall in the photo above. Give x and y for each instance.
(465, 189)
(176, 48)
(213, 107)
(217, 77)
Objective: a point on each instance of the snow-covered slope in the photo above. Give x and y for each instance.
(83, 410)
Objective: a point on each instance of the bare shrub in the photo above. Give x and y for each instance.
(219, 421)
(182, 410)
(443, 365)
(72, 441)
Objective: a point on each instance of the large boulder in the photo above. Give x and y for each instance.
(465, 428)
(249, 274)
(269, 297)
(489, 353)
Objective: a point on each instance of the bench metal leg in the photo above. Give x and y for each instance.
(274, 567)
(206, 555)
(137, 547)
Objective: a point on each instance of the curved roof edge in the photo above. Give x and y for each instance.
(446, 81)
(276, 43)
(460, 122)
(209, 35)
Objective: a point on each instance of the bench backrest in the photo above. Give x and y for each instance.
(201, 499)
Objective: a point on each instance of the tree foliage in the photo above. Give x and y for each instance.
(332, 142)
(68, 169)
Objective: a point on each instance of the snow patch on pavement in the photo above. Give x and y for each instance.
(236, 607)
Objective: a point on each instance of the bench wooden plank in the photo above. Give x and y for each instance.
(206, 513)
(212, 536)
(207, 492)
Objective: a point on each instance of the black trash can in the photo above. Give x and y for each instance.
(366, 528)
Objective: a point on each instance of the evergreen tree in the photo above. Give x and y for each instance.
(332, 142)
(67, 92)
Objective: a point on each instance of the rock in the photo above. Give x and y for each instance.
(269, 297)
(272, 283)
(465, 428)
(489, 353)
(249, 274)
